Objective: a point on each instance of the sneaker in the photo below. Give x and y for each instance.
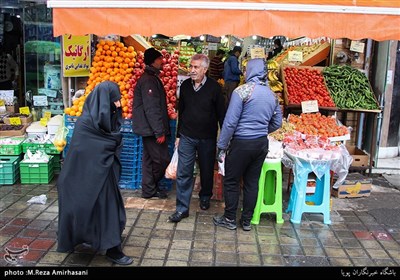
(245, 225)
(222, 221)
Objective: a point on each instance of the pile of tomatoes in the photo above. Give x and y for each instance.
(304, 84)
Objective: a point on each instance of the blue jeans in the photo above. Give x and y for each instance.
(187, 149)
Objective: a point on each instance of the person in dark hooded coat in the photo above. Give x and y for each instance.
(253, 113)
(91, 208)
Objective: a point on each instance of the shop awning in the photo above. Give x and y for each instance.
(354, 19)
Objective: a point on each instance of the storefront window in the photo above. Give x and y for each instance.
(43, 80)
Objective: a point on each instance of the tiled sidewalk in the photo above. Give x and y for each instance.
(355, 238)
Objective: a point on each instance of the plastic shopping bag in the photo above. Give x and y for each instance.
(60, 139)
(170, 172)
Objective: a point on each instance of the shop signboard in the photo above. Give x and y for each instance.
(76, 55)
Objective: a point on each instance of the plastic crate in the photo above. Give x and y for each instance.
(129, 184)
(126, 126)
(48, 148)
(9, 170)
(57, 163)
(10, 149)
(37, 172)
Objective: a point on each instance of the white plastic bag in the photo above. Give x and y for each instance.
(41, 199)
(170, 172)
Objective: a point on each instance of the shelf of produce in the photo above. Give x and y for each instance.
(285, 88)
(320, 54)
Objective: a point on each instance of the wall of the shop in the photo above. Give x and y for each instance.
(383, 83)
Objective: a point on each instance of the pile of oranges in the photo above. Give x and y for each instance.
(113, 61)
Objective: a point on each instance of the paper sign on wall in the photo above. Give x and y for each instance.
(257, 53)
(357, 46)
(212, 46)
(310, 106)
(40, 100)
(76, 55)
(295, 56)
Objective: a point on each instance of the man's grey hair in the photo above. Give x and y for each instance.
(205, 61)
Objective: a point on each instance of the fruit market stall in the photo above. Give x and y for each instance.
(336, 89)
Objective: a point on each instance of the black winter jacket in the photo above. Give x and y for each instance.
(150, 116)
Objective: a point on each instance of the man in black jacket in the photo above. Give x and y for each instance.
(201, 108)
(150, 120)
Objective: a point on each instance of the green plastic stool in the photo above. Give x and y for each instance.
(269, 197)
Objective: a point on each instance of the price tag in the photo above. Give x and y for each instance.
(309, 106)
(357, 46)
(2, 102)
(183, 44)
(24, 110)
(295, 56)
(257, 53)
(15, 121)
(43, 121)
(47, 115)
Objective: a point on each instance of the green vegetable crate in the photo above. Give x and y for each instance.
(37, 172)
(48, 148)
(9, 170)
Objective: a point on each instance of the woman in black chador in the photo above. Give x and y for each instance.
(91, 209)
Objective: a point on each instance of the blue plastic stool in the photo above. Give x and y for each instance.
(319, 202)
(269, 197)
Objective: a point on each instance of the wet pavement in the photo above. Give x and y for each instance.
(364, 232)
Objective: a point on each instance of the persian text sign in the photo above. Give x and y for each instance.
(76, 55)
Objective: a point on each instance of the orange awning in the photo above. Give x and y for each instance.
(354, 19)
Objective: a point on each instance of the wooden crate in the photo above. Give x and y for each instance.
(285, 90)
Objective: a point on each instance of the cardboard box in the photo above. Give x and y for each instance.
(8, 133)
(355, 185)
(360, 158)
(24, 120)
(13, 108)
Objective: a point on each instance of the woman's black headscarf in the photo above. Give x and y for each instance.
(99, 105)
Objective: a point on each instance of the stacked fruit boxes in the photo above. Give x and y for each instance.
(9, 169)
(37, 172)
(131, 158)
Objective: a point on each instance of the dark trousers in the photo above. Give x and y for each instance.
(244, 159)
(155, 160)
(187, 149)
(229, 87)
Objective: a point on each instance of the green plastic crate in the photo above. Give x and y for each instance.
(37, 173)
(57, 163)
(10, 149)
(9, 170)
(39, 178)
(48, 148)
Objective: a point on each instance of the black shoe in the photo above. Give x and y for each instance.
(125, 260)
(178, 216)
(245, 225)
(204, 203)
(160, 195)
(222, 221)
